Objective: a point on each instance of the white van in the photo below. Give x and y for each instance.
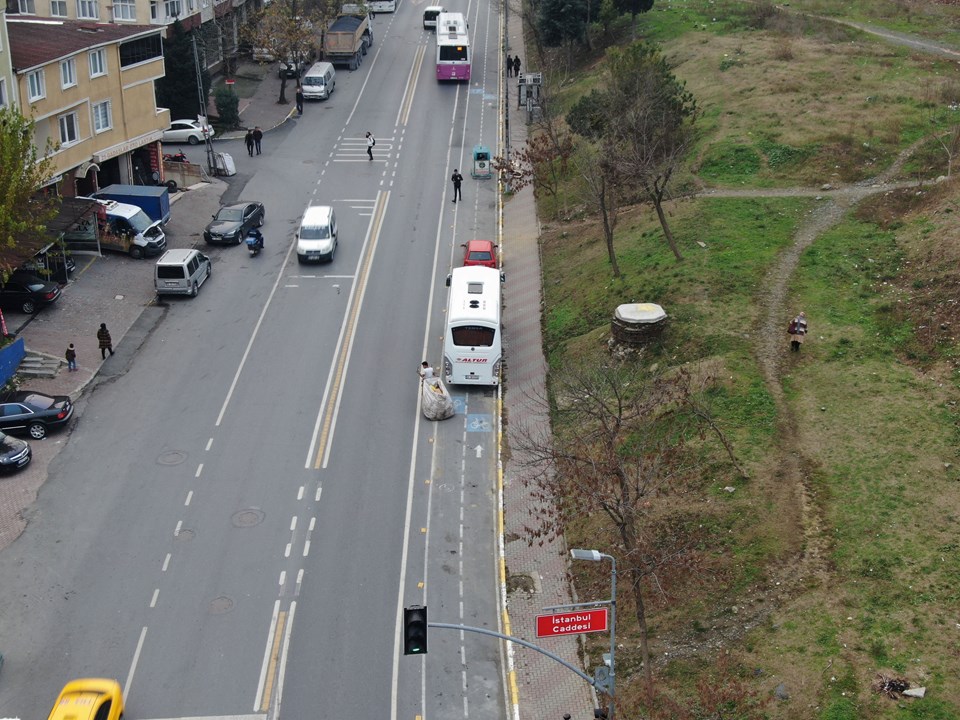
(430, 15)
(317, 236)
(181, 272)
(319, 81)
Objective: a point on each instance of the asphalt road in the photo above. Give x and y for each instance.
(238, 519)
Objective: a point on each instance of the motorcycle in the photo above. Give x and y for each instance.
(175, 157)
(254, 242)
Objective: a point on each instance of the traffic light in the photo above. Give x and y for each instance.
(415, 630)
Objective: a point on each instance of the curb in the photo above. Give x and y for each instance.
(240, 134)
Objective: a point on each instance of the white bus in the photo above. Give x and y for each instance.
(471, 342)
(453, 47)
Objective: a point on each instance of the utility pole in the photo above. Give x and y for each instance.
(202, 116)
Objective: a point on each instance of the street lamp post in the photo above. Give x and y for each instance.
(597, 556)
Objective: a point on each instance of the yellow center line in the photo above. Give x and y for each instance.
(272, 667)
(412, 85)
(336, 389)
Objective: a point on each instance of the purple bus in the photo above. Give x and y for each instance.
(453, 47)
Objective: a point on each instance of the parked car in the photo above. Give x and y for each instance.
(232, 222)
(27, 293)
(187, 131)
(291, 68)
(89, 699)
(480, 252)
(33, 412)
(14, 453)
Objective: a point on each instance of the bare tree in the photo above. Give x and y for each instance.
(546, 156)
(618, 447)
(603, 186)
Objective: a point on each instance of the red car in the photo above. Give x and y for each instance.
(480, 252)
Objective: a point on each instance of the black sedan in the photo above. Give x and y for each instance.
(232, 223)
(28, 293)
(14, 453)
(33, 412)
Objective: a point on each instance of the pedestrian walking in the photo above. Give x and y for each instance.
(71, 356)
(516, 66)
(299, 99)
(371, 141)
(257, 137)
(509, 65)
(248, 139)
(457, 180)
(106, 342)
(797, 329)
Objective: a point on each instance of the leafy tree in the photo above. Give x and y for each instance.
(562, 21)
(24, 209)
(228, 106)
(287, 30)
(652, 116)
(177, 89)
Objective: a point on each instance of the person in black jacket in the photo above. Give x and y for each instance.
(457, 181)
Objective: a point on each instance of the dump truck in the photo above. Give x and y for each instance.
(347, 39)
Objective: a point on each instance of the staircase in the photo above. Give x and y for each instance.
(36, 365)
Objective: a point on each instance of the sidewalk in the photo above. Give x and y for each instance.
(547, 690)
(261, 108)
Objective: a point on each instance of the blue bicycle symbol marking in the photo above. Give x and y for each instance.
(479, 423)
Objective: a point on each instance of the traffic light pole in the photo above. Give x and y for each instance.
(491, 633)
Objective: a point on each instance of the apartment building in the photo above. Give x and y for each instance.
(90, 90)
(217, 22)
(6, 66)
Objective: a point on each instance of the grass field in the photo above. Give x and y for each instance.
(872, 398)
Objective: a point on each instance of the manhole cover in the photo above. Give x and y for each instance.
(247, 518)
(185, 534)
(221, 605)
(171, 457)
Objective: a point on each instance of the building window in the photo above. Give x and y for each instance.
(27, 7)
(3, 92)
(58, 8)
(36, 87)
(69, 132)
(87, 9)
(153, 9)
(172, 8)
(102, 116)
(124, 10)
(98, 63)
(68, 73)
(138, 51)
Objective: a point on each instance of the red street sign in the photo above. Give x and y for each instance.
(572, 623)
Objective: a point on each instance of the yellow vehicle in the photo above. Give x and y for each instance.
(89, 699)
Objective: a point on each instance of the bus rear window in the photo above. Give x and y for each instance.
(453, 53)
(473, 336)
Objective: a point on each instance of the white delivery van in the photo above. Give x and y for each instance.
(319, 81)
(430, 15)
(125, 228)
(317, 236)
(181, 272)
